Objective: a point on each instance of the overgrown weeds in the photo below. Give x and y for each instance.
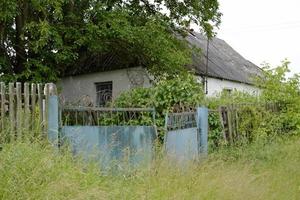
(261, 170)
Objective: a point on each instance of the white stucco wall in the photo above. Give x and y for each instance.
(216, 86)
(74, 88)
(77, 87)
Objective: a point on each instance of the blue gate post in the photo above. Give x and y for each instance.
(52, 114)
(202, 116)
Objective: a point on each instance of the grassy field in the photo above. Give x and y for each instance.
(259, 171)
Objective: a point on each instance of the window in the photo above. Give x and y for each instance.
(227, 91)
(104, 93)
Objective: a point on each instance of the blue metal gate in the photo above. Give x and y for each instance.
(186, 135)
(109, 134)
(112, 136)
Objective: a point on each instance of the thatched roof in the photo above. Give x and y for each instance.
(223, 61)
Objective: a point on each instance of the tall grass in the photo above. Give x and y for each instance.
(265, 170)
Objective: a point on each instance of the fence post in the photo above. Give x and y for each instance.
(202, 113)
(52, 118)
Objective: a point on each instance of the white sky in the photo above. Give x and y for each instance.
(263, 30)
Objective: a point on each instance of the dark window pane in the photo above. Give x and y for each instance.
(104, 92)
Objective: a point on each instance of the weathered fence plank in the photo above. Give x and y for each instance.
(40, 104)
(33, 105)
(45, 111)
(233, 122)
(230, 128)
(22, 110)
(19, 109)
(222, 123)
(26, 107)
(3, 101)
(2, 113)
(12, 118)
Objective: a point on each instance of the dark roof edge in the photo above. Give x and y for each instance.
(100, 71)
(126, 68)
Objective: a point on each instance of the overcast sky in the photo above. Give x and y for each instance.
(263, 30)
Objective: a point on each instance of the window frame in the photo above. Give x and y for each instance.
(227, 90)
(101, 101)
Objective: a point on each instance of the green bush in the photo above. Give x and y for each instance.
(274, 111)
(182, 93)
(177, 94)
(215, 136)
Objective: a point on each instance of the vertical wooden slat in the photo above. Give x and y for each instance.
(2, 117)
(45, 110)
(33, 104)
(40, 104)
(230, 124)
(234, 129)
(237, 124)
(26, 107)
(19, 109)
(11, 91)
(222, 122)
(3, 100)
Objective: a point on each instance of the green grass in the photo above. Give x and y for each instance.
(265, 170)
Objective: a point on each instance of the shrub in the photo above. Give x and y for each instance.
(171, 95)
(275, 111)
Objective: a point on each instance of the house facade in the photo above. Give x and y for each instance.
(101, 87)
(223, 69)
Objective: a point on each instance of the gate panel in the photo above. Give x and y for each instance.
(182, 144)
(186, 135)
(110, 135)
(108, 144)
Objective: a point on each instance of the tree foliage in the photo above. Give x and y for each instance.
(42, 40)
(278, 86)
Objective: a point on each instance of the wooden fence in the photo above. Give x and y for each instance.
(22, 109)
(230, 118)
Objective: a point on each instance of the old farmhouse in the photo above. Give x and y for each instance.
(225, 69)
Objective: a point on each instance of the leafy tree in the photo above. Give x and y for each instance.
(283, 90)
(277, 86)
(43, 39)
